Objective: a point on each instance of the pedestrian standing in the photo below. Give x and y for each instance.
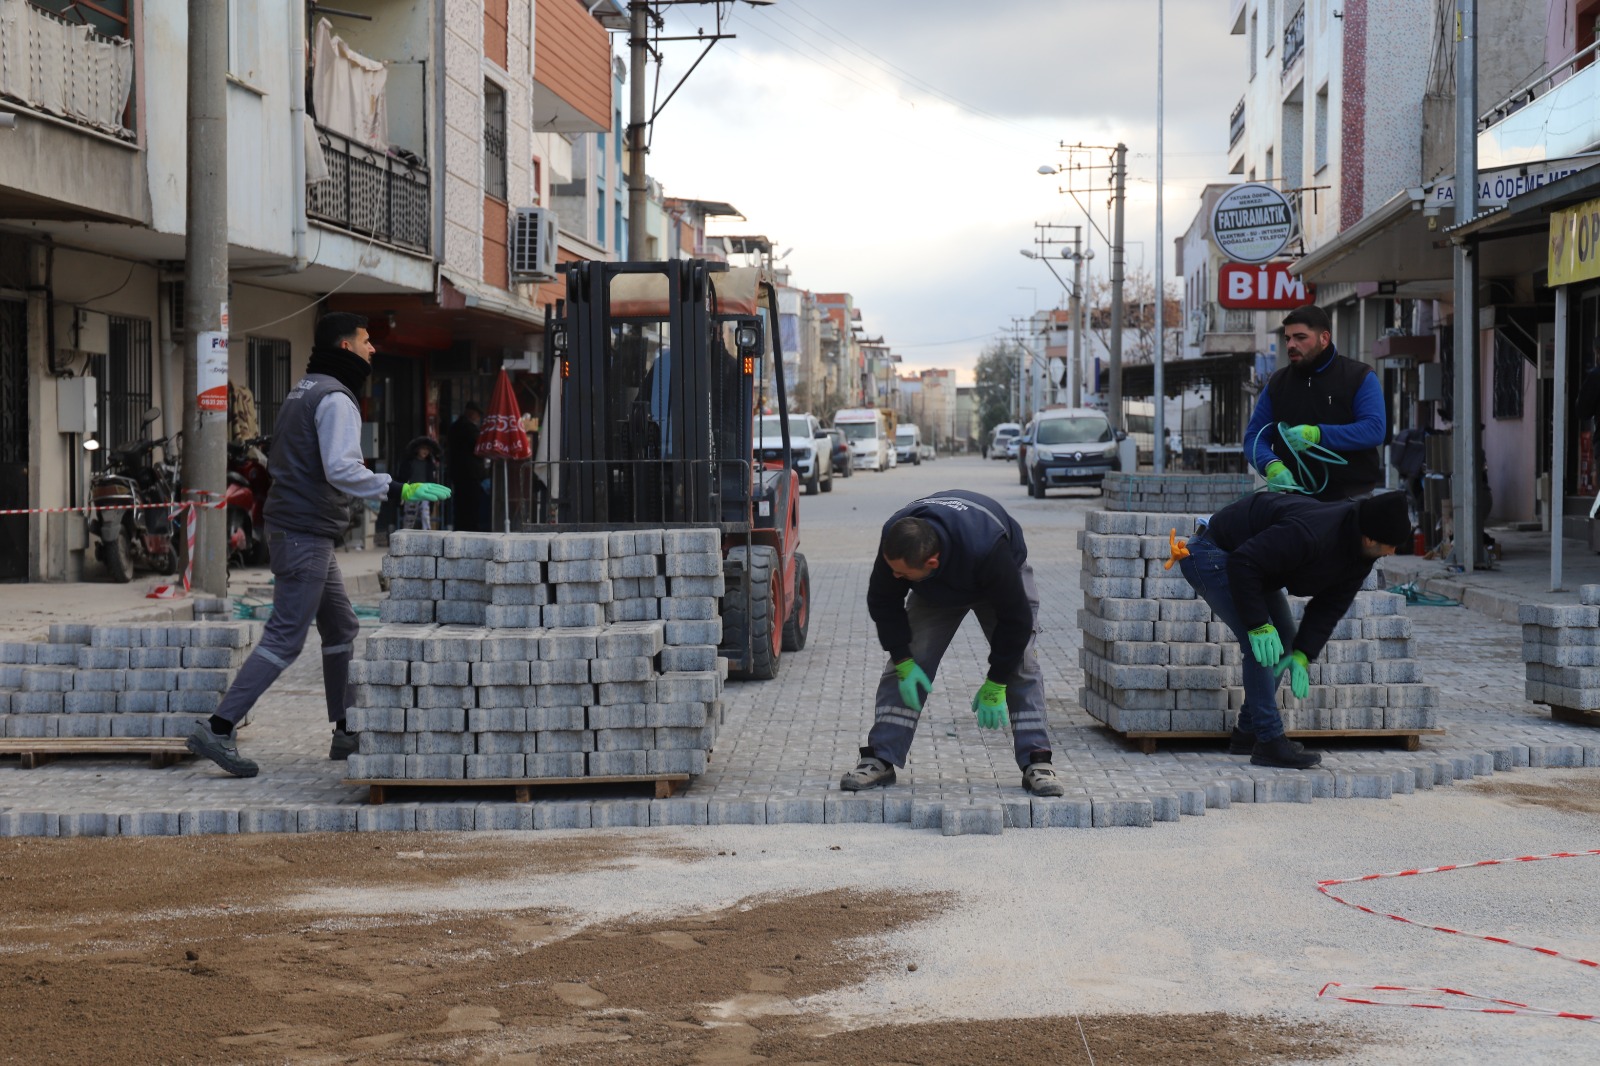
(316, 464)
(1319, 399)
(940, 558)
(467, 471)
(1242, 561)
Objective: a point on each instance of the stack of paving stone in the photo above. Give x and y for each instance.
(118, 680)
(1561, 651)
(1193, 493)
(1155, 659)
(550, 655)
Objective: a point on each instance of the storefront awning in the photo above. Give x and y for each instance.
(1397, 243)
(1138, 379)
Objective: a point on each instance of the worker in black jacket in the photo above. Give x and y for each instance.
(1320, 399)
(939, 558)
(1248, 554)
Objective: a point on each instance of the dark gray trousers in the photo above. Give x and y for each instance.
(932, 629)
(307, 588)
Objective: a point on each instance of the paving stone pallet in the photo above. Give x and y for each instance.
(1194, 493)
(1561, 656)
(117, 682)
(163, 751)
(1158, 663)
(665, 785)
(545, 656)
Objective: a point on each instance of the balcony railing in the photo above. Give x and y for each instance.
(67, 70)
(1228, 320)
(1294, 38)
(371, 192)
(1236, 123)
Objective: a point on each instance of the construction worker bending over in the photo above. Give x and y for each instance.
(315, 464)
(938, 559)
(1242, 561)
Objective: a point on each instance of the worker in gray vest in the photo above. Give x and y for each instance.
(316, 465)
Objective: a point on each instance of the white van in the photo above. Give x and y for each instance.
(908, 443)
(868, 436)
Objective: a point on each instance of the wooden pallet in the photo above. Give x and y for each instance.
(1147, 740)
(1576, 717)
(35, 752)
(521, 787)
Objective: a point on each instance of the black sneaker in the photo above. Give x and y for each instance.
(222, 750)
(344, 745)
(870, 772)
(1041, 780)
(1241, 743)
(1284, 754)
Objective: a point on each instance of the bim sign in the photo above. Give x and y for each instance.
(1261, 287)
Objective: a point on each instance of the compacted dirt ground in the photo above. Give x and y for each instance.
(186, 950)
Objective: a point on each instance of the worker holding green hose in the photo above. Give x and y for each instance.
(1318, 424)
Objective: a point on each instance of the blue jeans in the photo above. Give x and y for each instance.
(1206, 569)
(307, 590)
(932, 629)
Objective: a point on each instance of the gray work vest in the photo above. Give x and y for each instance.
(301, 499)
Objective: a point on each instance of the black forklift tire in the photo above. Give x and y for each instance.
(760, 571)
(798, 625)
(119, 556)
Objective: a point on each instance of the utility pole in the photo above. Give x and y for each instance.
(1118, 200)
(205, 370)
(1076, 309)
(1159, 447)
(1464, 468)
(638, 183)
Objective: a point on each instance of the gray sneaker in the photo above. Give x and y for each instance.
(1041, 780)
(870, 772)
(344, 745)
(222, 750)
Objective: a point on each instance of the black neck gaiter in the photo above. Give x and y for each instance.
(341, 364)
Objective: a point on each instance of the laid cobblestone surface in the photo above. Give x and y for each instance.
(785, 742)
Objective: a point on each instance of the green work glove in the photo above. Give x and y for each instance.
(1265, 645)
(990, 706)
(424, 490)
(1299, 680)
(1279, 479)
(1299, 438)
(914, 684)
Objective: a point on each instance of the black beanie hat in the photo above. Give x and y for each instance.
(1384, 518)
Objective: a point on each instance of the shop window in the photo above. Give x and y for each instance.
(267, 370)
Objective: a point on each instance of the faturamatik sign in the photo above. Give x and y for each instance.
(1575, 244)
(1251, 223)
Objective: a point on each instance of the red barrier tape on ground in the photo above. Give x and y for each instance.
(1502, 1006)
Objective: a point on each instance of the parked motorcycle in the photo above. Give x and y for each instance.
(127, 535)
(246, 497)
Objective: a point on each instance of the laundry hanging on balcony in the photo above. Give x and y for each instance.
(348, 90)
(64, 69)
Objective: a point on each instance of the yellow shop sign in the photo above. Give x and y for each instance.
(1575, 244)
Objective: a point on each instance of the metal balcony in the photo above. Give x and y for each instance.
(373, 193)
(1294, 38)
(1236, 123)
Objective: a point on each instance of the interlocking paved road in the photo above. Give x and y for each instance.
(785, 742)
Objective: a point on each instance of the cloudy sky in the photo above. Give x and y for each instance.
(894, 144)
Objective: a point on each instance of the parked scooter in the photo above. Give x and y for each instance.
(129, 536)
(246, 497)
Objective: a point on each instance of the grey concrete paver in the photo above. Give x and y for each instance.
(785, 742)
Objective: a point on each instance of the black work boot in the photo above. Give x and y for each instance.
(1283, 753)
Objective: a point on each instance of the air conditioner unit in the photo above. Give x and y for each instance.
(533, 244)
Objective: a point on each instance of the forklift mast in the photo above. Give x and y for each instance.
(659, 377)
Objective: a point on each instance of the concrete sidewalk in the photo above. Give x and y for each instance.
(1522, 575)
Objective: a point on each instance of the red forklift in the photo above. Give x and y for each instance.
(659, 369)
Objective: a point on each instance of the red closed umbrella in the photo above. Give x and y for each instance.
(501, 436)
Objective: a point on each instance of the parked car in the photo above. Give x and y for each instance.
(1003, 434)
(1071, 446)
(842, 466)
(810, 449)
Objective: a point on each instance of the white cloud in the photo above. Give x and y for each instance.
(894, 144)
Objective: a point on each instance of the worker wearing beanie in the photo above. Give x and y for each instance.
(1244, 559)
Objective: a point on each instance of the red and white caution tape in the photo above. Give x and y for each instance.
(1498, 1006)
